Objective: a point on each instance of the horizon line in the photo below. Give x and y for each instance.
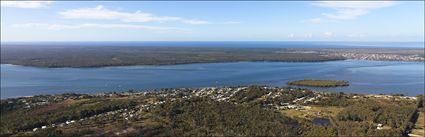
(213, 41)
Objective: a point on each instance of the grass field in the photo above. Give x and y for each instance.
(313, 112)
(420, 125)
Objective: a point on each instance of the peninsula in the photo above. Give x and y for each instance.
(100, 56)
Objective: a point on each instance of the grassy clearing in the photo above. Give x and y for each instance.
(313, 112)
(319, 83)
(420, 125)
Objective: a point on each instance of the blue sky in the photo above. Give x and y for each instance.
(212, 21)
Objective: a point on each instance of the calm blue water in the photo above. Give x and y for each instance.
(364, 77)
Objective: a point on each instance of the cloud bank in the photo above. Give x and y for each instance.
(102, 13)
(347, 10)
(25, 4)
(91, 25)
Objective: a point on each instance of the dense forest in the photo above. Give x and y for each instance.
(97, 56)
(121, 55)
(224, 111)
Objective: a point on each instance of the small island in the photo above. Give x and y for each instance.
(319, 83)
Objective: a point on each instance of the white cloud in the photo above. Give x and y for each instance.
(345, 14)
(308, 35)
(327, 34)
(354, 4)
(346, 10)
(291, 36)
(89, 25)
(194, 21)
(102, 13)
(25, 4)
(352, 35)
(300, 36)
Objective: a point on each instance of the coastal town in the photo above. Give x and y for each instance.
(293, 102)
(383, 57)
(212, 68)
(378, 54)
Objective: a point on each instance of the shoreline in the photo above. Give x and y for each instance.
(157, 65)
(154, 65)
(147, 91)
(93, 57)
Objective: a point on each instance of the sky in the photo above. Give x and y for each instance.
(212, 21)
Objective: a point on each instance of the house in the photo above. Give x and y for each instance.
(379, 126)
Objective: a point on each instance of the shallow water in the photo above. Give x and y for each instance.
(321, 121)
(364, 77)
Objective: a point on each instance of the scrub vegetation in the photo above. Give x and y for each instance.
(99, 56)
(319, 83)
(54, 56)
(221, 111)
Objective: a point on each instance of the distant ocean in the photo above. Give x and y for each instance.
(231, 44)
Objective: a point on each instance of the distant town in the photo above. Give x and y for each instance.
(380, 54)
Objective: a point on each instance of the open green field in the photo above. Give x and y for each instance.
(319, 83)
